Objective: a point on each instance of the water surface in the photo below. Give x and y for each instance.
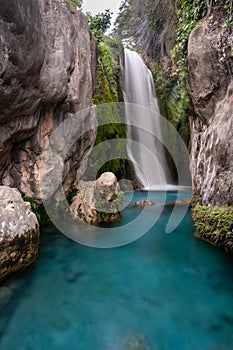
(162, 292)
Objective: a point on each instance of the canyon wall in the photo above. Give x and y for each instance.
(210, 87)
(47, 74)
(48, 60)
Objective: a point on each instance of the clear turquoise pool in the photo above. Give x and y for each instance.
(162, 292)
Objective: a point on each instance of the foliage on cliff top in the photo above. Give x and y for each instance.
(99, 23)
(73, 4)
(214, 224)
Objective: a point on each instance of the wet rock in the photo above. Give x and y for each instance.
(143, 203)
(19, 232)
(98, 201)
(186, 201)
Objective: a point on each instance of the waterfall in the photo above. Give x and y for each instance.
(143, 122)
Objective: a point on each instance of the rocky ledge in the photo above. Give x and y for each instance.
(19, 232)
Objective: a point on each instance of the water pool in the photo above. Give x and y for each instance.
(162, 292)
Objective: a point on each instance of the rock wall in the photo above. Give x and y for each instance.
(210, 85)
(47, 74)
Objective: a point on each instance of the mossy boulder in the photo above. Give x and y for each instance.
(214, 225)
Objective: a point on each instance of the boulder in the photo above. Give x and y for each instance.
(19, 232)
(107, 186)
(98, 201)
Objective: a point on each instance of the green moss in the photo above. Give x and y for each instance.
(215, 225)
(108, 66)
(107, 91)
(106, 208)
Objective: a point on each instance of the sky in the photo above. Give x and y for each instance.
(95, 6)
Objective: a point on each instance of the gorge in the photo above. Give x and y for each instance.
(163, 291)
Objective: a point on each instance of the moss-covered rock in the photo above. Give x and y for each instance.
(214, 225)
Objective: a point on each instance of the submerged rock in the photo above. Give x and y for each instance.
(135, 342)
(98, 201)
(186, 201)
(143, 203)
(19, 232)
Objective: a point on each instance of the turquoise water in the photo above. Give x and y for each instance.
(162, 292)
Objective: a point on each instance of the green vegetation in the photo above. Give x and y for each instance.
(99, 23)
(104, 207)
(73, 4)
(107, 91)
(107, 74)
(215, 225)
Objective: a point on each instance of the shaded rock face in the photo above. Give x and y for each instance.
(97, 201)
(19, 232)
(47, 74)
(211, 91)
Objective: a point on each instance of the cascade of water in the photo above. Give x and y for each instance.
(143, 124)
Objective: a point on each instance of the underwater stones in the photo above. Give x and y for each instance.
(143, 203)
(72, 273)
(97, 201)
(135, 342)
(19, 232)
(186, 201)
(60, 321)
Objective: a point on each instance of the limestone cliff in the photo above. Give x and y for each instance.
(210, 86)
(47, 74)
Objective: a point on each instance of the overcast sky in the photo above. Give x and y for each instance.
(95, 6)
